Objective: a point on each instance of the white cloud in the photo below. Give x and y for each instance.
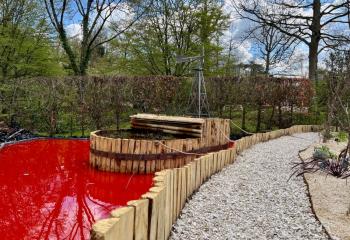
(242, 52)
(74, 30)
(296, 65)
(241, 49)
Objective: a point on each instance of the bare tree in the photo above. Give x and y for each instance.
(339, 89)
(293, 18)
(273, 46)
(94, 17)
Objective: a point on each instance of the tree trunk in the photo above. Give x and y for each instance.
(267, 66)
(346, 151)
(68, 50)
(314, 42)
(329, 115)
(313, 61)
(4, 71)
(279, 116)
(258, 118)
(291, 113)
(243, 117)
(269, 126)
(313, 50)
(220, 111)
(71, 126)
(337, 126)
(117, 118)
(84, 64)
(82, 127)
(52, 122)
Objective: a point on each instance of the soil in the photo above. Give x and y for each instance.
(237, 136)
(140, 134)
(330, 196)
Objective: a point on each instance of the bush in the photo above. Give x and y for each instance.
(325, 161)
(323, 153)
(342, 136)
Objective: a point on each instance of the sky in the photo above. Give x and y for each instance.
(299, 62)
(246, 51)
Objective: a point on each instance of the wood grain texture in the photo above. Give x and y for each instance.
(140, 218)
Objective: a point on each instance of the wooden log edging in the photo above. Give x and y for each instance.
(158, 156)
(140, 155)
(324, 229)
(152, 216)
(149, 156)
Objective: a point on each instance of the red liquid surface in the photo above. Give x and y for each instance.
(48, 191)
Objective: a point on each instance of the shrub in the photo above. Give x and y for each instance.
(342, 136)
(323, 153)
(325, 161)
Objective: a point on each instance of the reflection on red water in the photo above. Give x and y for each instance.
(48, 190)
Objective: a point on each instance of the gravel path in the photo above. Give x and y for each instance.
(251, 199)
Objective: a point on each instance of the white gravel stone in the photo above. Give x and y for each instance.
(251, 199)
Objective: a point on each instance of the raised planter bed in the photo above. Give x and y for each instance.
(157, 142)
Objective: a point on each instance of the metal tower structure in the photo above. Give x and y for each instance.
(198, 104)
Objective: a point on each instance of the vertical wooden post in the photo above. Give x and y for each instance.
(166, 214)
(136, 161)
(140, 218)
(125, 149)
(161, 209)
(118, 144)
(149, 151)
(155, 166)
(125, 223)
(131, 150)
(154, 204)
(105, 229)
(175, 193)
(112, 150)
(92, 146)
(142, 162)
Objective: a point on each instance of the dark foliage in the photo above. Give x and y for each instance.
(324, 161)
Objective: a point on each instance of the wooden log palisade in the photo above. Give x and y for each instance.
(196, 136)
(152, 216)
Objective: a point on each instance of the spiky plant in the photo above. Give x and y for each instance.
(325, 161)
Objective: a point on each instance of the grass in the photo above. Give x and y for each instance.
(78, 133)
(342, 136)
(66, 134)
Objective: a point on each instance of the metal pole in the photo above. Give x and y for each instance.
(199, 93)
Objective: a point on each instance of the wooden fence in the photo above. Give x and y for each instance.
(152, 216)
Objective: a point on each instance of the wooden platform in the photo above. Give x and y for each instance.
(169, 124)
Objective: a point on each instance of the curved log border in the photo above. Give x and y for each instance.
(105, 153)
(159, 156)
(152, 216)
(310, 198)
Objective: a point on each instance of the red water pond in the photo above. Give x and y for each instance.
(48, 190)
